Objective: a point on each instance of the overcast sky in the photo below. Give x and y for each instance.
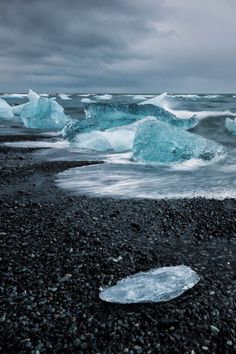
(118, 45)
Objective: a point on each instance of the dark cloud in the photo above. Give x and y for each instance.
(114, 46)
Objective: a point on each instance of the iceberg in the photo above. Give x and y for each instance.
(42, 113)
(139, 97)
(63, 96)
(230, 125)
(104, 97)
(5, 110)
(101, 116)
(159, 142)
(32, 97)
(15, 95)
(86, 100)
(156, 285)
(119, 139)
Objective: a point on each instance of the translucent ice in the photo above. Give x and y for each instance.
(230, 125)
(42, 113)
(156, 285)
(139, 97)
(15, 95)
(101, 116)
(32, 97)
(156, 101)
(63, 96)
(86, 100)
(158, 142)
(104, 97)
(5, 110)
(117, 139)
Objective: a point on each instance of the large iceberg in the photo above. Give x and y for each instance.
(101, 116)
(41, 113)
(5, 110)
(230, 125)
(156, 285)
(158, 142)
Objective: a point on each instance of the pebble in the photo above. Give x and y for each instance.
(77, 342)
(52, 298)
(214, 329)
(205, 348)
(229, 342)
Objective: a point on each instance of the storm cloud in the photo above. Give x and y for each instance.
(117, 46)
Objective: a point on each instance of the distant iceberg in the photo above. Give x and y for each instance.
(41, 113)
(5, 110)
(102, 116)
(104, 97)
(230, 125)
(158, 142)
(86, 100)
(14, 95)
(186, 96)
(212, 96)
(64, 97)
(139, 97)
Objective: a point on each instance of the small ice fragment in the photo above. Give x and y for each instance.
(86, 100)
(139, 97)
(156, 285)
(15, 95)
(230, 125)
(63, 96)
(104, 97)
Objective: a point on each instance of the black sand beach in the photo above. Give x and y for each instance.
(58, 250)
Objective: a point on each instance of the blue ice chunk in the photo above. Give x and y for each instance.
(158, 142)
(230, 125)
(5, 110)
(43, 113)
(156, 285)
(118, 139)
(101, 116)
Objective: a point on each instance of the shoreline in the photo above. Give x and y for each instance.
(57, 250)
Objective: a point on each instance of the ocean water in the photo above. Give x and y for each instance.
(119, 177)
